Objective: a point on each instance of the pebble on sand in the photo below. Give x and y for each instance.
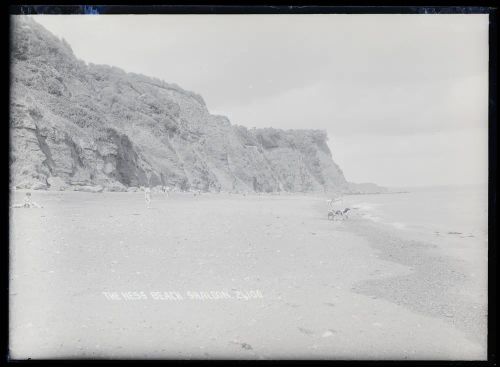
(327, 334)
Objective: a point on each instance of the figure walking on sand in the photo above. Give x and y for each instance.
(334, 201)
(28, 203)
(147, 197)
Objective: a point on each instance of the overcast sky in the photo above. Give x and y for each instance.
(404, 98)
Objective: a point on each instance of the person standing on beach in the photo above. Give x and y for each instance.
(28, 203)
(147, 197)
(166, 190)
(334, 201)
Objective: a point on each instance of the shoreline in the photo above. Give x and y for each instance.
(433, 283)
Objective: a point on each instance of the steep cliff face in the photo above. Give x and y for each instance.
(75, 125)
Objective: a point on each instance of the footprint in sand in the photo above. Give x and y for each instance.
(306, 331)
(245, 346)
(328, 333)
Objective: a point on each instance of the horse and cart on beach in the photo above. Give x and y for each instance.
(334, 212)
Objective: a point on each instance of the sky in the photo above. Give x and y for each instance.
(404, 98)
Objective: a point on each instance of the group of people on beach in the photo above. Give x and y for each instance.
(29, 203)
(332, 203)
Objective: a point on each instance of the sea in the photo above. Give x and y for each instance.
(455, 210)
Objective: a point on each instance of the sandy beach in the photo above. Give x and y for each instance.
(233, 276)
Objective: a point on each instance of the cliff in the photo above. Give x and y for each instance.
(75, 125)
(366, 188)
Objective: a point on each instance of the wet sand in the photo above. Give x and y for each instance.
(319, 289)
